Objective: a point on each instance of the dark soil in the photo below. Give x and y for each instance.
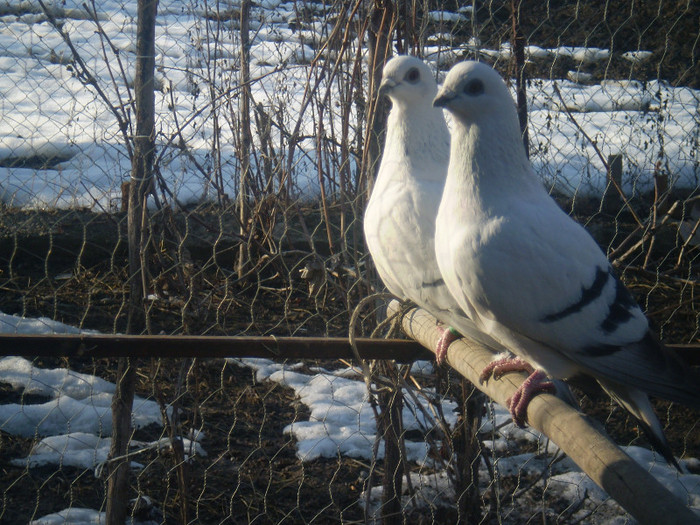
(251, 473)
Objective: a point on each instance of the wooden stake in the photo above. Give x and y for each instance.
(137, 214)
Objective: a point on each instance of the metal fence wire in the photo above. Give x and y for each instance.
(267, 136)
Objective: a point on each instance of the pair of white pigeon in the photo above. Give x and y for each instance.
(465, 229)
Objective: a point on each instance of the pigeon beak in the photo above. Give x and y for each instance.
(386, 86)
(444, 98)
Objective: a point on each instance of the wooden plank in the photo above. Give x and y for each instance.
(635, 489)
(108, 345)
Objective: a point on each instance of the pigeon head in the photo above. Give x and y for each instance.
(473, 90)
(486, 138)
(407, 80)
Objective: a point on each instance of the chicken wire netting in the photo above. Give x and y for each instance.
(264, 156)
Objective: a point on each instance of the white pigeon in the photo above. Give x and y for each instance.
(399, 220)
(530, 276)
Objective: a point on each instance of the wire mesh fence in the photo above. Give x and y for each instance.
(267, 135)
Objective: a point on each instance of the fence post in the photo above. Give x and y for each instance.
(141, 181)
(141, 164)
(467, 450)
(245, 137)
(390, 427)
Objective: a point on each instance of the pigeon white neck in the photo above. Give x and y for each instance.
(490, 155)
(418, 134)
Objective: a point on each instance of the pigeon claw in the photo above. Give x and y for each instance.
(498, 367)
(536, 382)
(449, 335)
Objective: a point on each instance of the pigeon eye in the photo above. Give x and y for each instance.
(474, 87)
(413, 75)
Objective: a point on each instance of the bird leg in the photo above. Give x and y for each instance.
(449, 335)
(536, 382)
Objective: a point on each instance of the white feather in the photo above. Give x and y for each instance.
(399, 220)
(526, 273)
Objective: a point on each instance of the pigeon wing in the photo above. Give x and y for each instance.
(401, 239)
(560, 292)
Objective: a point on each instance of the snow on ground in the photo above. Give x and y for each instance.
(637, 57)
(72, 428)
(342, 421)
(14, 324)
(607, 112)
(46, 111)
(88, 451)
(446, 17)
(81, 516)
(76, 402)
(69, 414)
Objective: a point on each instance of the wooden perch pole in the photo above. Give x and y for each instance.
(637, 491)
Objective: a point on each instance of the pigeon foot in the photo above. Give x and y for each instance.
(536, 382)
(449, 335)
(504, 365)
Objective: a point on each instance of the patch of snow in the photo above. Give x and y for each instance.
(14, 324)
(536, 52)
(580, 77)
(583, 55)
(81, 516)
(637, 57)
(341, 420)
(77, 402)
(23, 375)
(575, 486)
(268, 4)
(77, 449)
(88, 451)
(435, 490)
(446, 16)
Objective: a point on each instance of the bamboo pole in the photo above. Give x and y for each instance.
(635, 489)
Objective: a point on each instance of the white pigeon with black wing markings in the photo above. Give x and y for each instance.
(399, 220)
(531, 277)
